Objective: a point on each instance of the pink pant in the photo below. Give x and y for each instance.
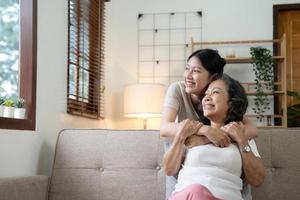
(194, 192)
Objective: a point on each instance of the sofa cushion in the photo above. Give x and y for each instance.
(108, 164)
(279, 149)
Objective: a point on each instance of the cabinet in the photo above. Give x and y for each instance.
(277, 115)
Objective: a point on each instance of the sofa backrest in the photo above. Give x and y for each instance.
(126, 165)
(280, 151)
(107, 165)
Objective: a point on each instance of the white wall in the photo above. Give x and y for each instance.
(31, 152)
(222, 20)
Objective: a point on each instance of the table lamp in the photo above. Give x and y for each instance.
(143, 100)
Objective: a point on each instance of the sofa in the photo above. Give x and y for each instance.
(103, 164)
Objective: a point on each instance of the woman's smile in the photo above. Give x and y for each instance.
(195, 77)
(208, 106)
(215, 102)
(190, 83)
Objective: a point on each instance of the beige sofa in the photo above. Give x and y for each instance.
(126, 165)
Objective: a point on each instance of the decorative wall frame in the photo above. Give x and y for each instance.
(164, 44)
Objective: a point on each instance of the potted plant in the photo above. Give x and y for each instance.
(263, 69)
(20, 109)
(1, 106)
(9, 108)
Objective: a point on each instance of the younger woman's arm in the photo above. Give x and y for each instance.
(172, 103)
(250, 128)
(174, 156)
(214, 135)
(169, 128)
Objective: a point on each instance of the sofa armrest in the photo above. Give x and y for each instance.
(24, 188)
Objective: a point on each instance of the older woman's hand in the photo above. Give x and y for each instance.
(236, 131)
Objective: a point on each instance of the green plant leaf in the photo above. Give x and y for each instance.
(263, 70)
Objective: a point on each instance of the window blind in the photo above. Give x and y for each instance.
(85, 92)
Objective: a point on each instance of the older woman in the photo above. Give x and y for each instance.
(208, 171)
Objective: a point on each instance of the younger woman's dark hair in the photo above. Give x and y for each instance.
(238, 101)
(210, 59)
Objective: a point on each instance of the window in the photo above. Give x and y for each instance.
(25, 74)
(9, 48)
(85, 59)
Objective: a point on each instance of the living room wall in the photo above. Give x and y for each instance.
(31, 152)
(222, 20)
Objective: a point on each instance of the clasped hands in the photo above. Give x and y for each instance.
(195, 133)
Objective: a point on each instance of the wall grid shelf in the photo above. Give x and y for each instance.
(164, 44)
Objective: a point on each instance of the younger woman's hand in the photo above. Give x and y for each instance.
(187, 128)
(236, 131)
(195, 140)
(217, 136)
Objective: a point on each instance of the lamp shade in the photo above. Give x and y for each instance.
(143, 100)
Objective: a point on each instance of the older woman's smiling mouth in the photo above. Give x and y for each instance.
(208, 106)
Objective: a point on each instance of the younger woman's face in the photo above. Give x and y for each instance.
(216, 101)
(196, 77)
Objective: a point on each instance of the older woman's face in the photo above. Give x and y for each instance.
(196, 77)
(216, 101)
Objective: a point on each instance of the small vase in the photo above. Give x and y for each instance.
(8, 112)
(1, 110)
(20, 113)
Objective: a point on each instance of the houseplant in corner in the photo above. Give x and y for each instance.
(1, 106)
(263, 66)
(9, 108)
(20, 109)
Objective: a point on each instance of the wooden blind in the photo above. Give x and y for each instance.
(85, 92)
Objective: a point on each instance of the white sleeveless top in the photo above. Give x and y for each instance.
(218, 169)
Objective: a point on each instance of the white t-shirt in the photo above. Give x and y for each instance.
(218, 169)
(177, 98)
